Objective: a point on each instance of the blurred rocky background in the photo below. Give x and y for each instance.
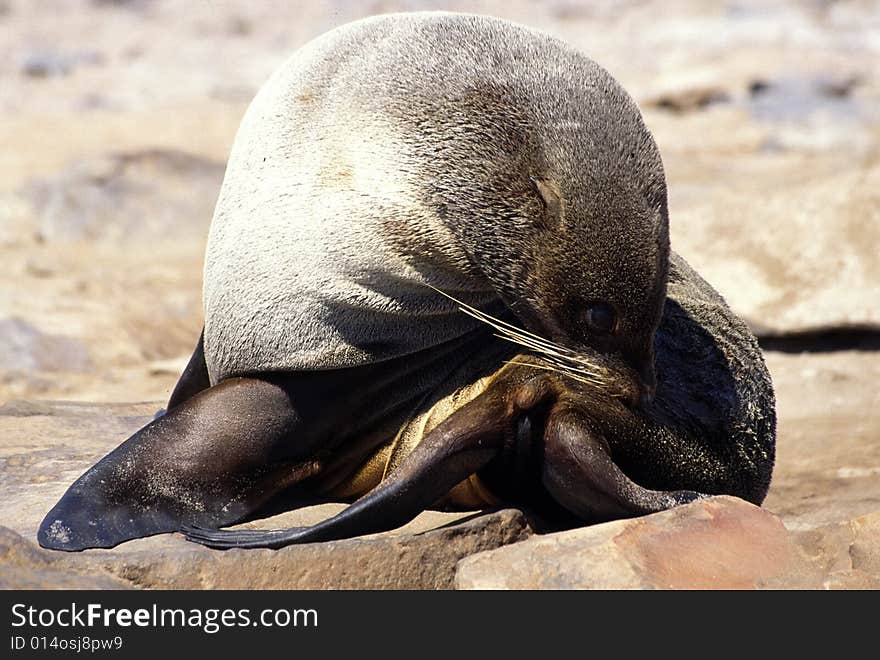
(116, 118)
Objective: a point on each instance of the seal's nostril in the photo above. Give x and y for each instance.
(646, 396)
(647, 384)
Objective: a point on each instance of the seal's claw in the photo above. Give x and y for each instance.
(224, 539)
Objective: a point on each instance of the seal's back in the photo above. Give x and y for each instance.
(391, 154)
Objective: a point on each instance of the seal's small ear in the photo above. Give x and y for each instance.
(551, 198)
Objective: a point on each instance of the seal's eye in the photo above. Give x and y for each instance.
(599, 317)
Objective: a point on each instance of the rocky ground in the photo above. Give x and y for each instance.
(116, 121)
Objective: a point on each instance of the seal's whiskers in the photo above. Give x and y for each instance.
(559, 359)
(559, 370)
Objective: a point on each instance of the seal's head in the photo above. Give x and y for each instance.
(541, 165)
(572, 231)
(596, 283)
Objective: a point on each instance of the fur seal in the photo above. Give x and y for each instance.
(388, 161)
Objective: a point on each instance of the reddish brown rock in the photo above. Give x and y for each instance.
(718, 543)
(387, 561)
(45, 445)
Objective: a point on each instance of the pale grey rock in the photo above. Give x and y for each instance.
(45, 446)
(24, 347)
(397, 560)
(422, 555)
(791, 258)
(848, 553)
(827, 455)
(24, 566)
(797, 98)
(157, 194)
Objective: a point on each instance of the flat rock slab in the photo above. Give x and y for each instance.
(25, 566)
(45, 446)
(717, 543)
(155, 195)
(848, 553)
(401, 560)
(827, 451)
(792, 259)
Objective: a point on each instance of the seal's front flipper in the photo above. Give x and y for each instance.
(211, 460)
(455, 449)
(580, 474)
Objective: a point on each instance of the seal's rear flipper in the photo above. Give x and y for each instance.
(455, 449)
(580, 474)
(211, 460)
